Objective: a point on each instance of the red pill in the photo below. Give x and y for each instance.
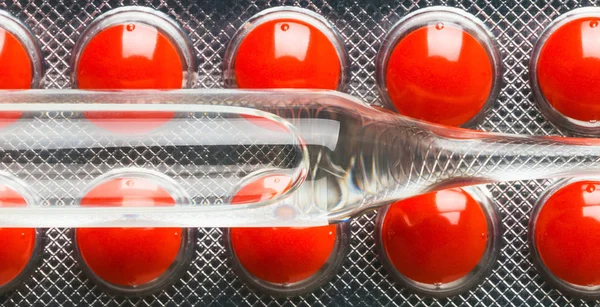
(18, 244)
(16, 70)
(129, 56)
(129, 256)
(568, 69)
(439, 73)
(287, 53)
(281, 255)
(15, 64)
(264, 188)
(435, 238)
(566, 233)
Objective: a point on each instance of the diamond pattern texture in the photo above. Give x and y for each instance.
(209, 280)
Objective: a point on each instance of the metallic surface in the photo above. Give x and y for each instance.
(362, 281)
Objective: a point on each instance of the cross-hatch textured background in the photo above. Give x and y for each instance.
(362, 23)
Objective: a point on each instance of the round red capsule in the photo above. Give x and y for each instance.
(129, 55)
(435, 238)
(568, 69)
(439, 73)
(283, 255)
(16, 70)
(263, 188)
(129, 256)
(288, 52)
(15, 64)
(280, 255)
(18, 244)
(565, 233)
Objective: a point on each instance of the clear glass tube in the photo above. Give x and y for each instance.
(343, 156)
